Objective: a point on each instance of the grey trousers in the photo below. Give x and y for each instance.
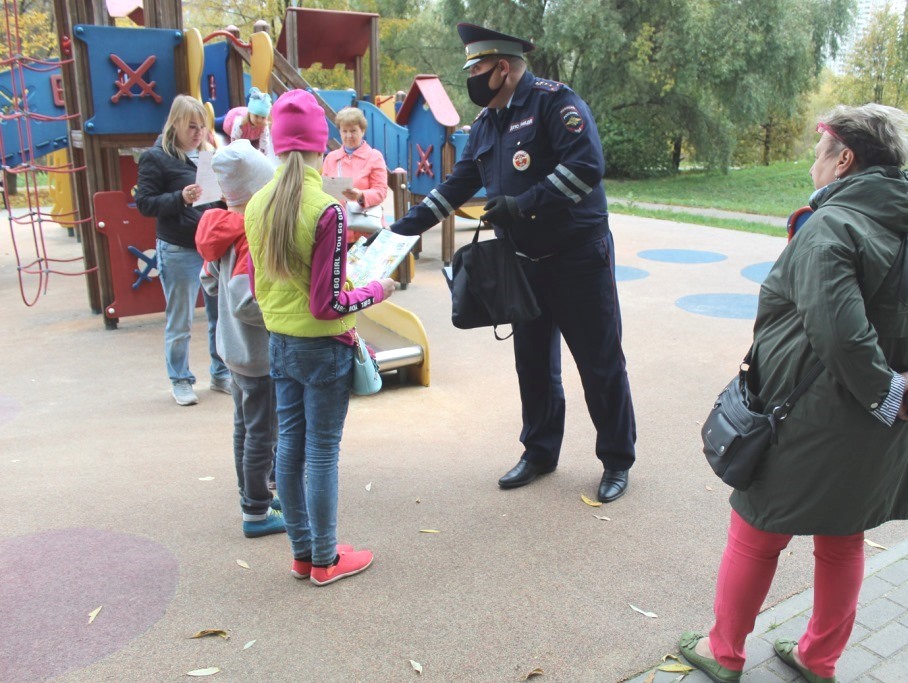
(254, 439)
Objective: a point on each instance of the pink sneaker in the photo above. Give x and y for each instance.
(301, 570)
(350, 563)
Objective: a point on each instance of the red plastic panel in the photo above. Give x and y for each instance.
(135, 284)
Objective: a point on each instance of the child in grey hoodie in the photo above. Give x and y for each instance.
(242, 340)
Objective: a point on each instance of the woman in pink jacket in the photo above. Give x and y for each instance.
(357, 160)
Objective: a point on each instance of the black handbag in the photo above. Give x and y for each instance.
(489, 287)
(735, 437)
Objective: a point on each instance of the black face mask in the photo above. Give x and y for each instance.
(478, 88)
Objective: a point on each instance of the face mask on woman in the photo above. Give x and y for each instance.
(478, 88)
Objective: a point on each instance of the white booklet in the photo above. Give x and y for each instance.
(205, 177)
(375, 257)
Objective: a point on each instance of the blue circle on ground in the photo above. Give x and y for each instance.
(758, 271)
(625, 273)
(682, 255)
(739, 306)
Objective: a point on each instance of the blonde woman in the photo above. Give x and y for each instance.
(357, 160)
(167, 190)
(297, 242)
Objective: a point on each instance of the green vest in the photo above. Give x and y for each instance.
(285, 304)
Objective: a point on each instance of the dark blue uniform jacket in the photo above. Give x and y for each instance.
(544, 150)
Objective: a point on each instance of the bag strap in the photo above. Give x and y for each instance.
(780, 412)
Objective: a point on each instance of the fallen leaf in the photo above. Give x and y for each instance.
(369, 486)
(417, 667)
(651, 615)
(206, 479)
(603, 518)
(591, 503)
(249, 644)
(210, 671)
(875, 545)
(535, 672)
(651, 677)
(212, 632)
(243, 564)
(709, 488)
(93, 614)
(429, 531)
(676, 668)
(670, 656)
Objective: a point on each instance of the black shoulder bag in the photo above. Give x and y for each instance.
(489, 287)
(735, 438)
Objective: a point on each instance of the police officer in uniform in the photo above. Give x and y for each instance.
(536, 150)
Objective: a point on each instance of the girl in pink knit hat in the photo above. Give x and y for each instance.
(298, 245)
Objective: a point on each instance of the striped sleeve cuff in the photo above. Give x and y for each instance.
(887, 411)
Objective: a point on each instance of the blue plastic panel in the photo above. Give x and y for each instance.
(119, 102)
(46, 136)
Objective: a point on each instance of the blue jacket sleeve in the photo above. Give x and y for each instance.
(581, 165)
(441, 202)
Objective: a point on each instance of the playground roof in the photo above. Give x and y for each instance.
(328, 37)
(127, 8)
(433, 92)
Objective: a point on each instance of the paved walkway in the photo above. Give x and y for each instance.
(877, 651)
(139, 516)
(715, 213)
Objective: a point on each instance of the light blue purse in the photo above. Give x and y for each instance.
(366, 380)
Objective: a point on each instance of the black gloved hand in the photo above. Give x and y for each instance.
(500, 210)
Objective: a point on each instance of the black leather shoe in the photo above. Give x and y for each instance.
(522, 474)
(613, 485)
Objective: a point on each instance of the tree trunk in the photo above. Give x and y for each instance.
(676, 153)
(767, 142)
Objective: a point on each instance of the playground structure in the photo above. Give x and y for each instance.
(115, 85)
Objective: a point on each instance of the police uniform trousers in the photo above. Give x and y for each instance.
(575, 289)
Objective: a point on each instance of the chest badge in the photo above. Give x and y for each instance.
(521, 160)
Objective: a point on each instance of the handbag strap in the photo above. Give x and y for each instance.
(780, 412)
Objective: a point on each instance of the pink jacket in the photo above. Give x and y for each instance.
(367, 168)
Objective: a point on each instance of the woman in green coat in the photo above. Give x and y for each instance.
(837, 294)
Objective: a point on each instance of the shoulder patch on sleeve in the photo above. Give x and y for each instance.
(547, 85)
(572, 118)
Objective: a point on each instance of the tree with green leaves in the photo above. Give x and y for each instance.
(876, 68)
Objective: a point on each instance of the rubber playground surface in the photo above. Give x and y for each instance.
(113, 497)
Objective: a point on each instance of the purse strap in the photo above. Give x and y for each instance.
(780, 412)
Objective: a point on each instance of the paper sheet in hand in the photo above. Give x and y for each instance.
(379, 258)
(204, 176)
(336, 186)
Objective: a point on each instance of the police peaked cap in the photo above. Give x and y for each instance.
(484, 42)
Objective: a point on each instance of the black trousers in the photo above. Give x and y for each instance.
(575, 289)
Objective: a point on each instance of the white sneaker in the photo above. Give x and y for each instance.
(221, 384)
(183, 393)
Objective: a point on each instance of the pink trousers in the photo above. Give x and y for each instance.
(745, 574)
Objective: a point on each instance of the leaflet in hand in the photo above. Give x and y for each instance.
(377, 259)
(206, 178)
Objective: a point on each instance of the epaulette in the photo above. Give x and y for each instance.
(547, 85)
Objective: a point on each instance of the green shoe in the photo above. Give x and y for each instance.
(715, 671)
(785, 651)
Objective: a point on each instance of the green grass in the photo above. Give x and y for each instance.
(696, 219)
(774, 190)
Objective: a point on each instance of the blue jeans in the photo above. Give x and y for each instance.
(179, 268)
(312, 380)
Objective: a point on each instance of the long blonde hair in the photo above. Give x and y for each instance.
(183, 110)
(283, 259)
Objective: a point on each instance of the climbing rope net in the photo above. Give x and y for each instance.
(22, 157)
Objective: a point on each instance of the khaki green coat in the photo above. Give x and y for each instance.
(836, 468)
